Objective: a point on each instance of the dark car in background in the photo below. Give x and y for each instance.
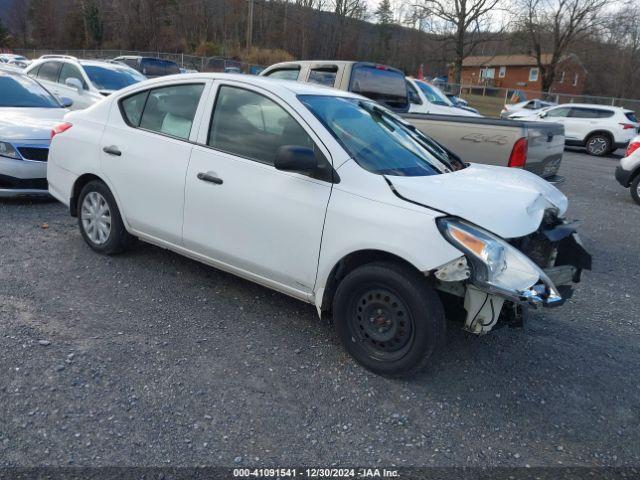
(150, 67)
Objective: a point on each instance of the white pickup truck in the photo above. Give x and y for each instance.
(533, 146)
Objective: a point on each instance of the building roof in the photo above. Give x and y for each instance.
(504, 60)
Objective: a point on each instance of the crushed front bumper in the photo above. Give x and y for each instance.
(557, 249)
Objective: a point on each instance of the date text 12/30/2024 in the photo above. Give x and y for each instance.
(315, 473)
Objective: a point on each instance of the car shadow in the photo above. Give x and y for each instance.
(615, 155)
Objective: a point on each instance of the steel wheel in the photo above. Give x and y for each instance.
(598, 145)
(381, 322)
(96, 218)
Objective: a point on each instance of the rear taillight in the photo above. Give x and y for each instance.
(633, 146)
(61, 127)
(518, 157)
(627, 126)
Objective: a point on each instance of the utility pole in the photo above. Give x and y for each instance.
(250, 25)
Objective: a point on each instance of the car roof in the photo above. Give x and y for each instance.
(338, 63)
(591, 105)
(293, 86)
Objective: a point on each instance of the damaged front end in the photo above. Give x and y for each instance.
(536, 270)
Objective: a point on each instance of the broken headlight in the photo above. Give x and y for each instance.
(494, 262)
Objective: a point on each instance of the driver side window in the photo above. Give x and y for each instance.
(250, 125)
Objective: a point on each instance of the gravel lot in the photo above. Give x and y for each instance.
(149, 358)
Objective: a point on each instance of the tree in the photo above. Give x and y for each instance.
(350, 8)
(462, 22)
(384, 14)
(553, 26)
(4, 35)
(19, 21)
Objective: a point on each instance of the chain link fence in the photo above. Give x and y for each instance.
(189, 62)
(490, 100)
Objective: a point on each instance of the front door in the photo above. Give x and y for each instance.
(240, 210)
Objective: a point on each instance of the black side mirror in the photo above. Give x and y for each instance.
(298, 159)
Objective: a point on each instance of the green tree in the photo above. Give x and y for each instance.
(384, 13)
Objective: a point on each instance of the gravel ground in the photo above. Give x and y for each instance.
(149, 358)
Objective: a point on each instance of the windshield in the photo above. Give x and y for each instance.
(377, 140)
(434, 94)
(21, 91)
(113, 77)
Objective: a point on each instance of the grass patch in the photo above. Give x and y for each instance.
(489, 106)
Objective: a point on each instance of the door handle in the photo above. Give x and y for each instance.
(112, 150)
(209, 177)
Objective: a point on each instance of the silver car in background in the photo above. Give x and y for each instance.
(28, 113)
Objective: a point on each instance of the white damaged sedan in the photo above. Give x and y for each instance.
(322, 195)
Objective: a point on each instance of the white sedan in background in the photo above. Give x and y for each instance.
(18, 61)
(519, 110)
(320, 194)
(83, 81)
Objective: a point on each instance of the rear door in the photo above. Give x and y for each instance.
(583, 120)
(146, 150)
(239, 210)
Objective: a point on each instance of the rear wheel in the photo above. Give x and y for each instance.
(100, 221)
(635, 189)
(599, 144)
(388, 318)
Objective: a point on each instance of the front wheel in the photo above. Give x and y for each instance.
(598, 145)
(635, 189)
(100, 221)
(388, 318)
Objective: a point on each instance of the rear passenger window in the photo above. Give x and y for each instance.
(285, 74)
(252, 126)
(323, 76)
(590, 113)
(167, 110)
(49, 71)
(132, 108)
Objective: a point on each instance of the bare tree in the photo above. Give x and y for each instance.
(350, 8)
(463, 22)
(19, 21)
(553, 26)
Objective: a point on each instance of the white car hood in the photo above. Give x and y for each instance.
(506, 201)
(29, 123)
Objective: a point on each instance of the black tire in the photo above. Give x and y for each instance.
(118, 239)
(635, 189)
(599, 144)
(388, 318)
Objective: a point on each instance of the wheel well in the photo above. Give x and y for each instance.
(600, 132)
(350, 263)
(77, 188)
